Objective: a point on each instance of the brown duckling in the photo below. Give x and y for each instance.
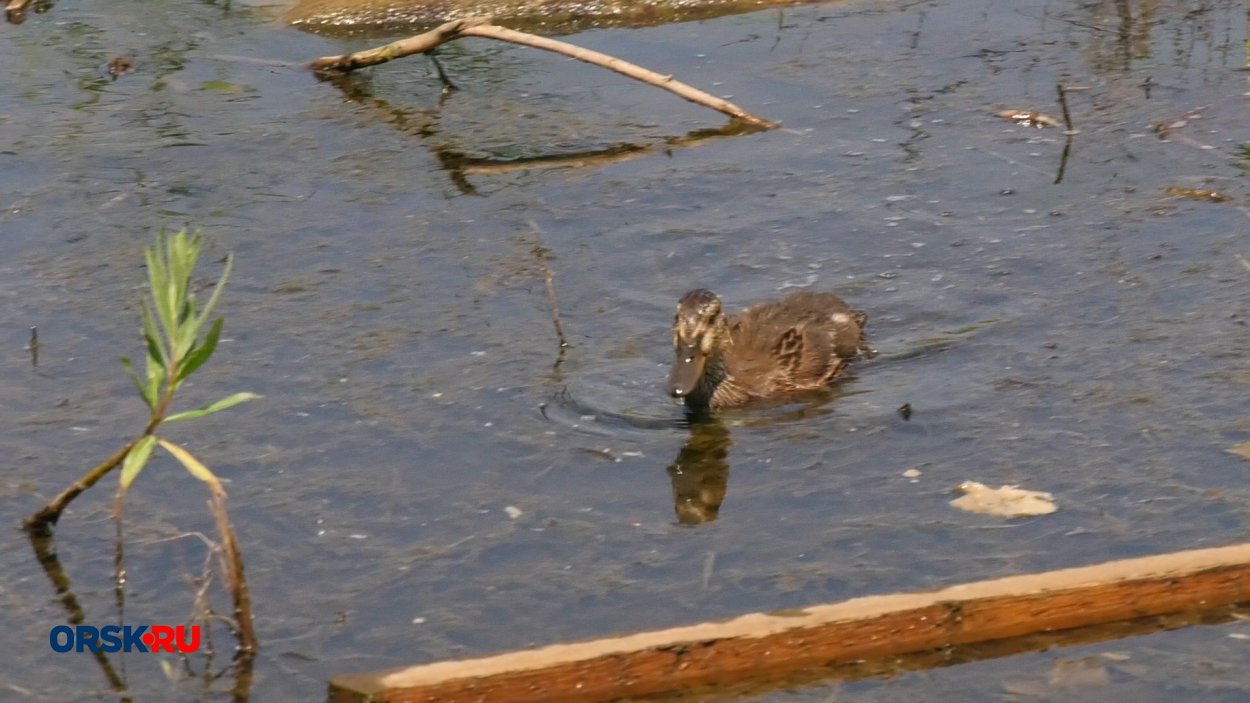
(798, 343)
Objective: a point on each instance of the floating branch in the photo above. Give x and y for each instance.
(481, 27)
(763, 647)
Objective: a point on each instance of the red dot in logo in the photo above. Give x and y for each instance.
(148, 638)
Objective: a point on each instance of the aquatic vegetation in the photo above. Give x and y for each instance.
(179, 339)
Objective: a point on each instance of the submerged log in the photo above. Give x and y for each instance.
(770, 646)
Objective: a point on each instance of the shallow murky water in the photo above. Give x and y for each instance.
(1084, 337)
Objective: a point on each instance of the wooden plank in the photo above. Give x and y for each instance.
(771, 646)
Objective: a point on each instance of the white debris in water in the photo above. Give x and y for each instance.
(1005, 501)
(513, 511)
(913, 472)
(418, 621)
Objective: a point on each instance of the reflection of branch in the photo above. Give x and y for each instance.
(424, 124)
(459, 166)
(1063, 159)
(481, 27)
(469, 165)
(45, 554)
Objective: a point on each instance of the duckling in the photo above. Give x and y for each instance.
(798, 343)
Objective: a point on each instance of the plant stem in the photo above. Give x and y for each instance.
(47, 516)
(235, 580)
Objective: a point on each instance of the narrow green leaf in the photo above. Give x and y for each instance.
(197, 356)
(184, 251)
(139, 384)
(188, 308)
(221, 283)
(156, 363)
(188, 253)
(227, 402)
(192, 464)
(169, 293)
(136, 460)
(158, 282)
(156, 351)
(154, 386)
(187, 332)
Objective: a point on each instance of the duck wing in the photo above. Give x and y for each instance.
(800, 342)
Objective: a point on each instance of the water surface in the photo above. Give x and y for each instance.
(1084, 337)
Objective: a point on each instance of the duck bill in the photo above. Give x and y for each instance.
(687, 370)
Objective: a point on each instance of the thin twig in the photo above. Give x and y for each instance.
(543, 255)
(1063, 103)
(1063, 158)
(417, 44)
(33, 347)
(119, 553)
(235, 579)
(481, 27)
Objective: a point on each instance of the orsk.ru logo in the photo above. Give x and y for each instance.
(125, 638)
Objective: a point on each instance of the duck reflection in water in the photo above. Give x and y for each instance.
(700, 473)
(769, 352)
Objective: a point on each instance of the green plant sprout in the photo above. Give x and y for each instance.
(180, 340)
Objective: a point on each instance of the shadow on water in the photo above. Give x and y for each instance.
(240, 670)
(459, 166)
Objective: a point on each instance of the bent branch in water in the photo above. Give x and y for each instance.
(481, 27)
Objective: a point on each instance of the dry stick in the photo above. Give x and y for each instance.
(481, 27)
(235, 580)
(1067, 117)
(33, 347)
(543, 255)
(624, 68)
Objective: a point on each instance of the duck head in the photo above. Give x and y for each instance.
(700, 337)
